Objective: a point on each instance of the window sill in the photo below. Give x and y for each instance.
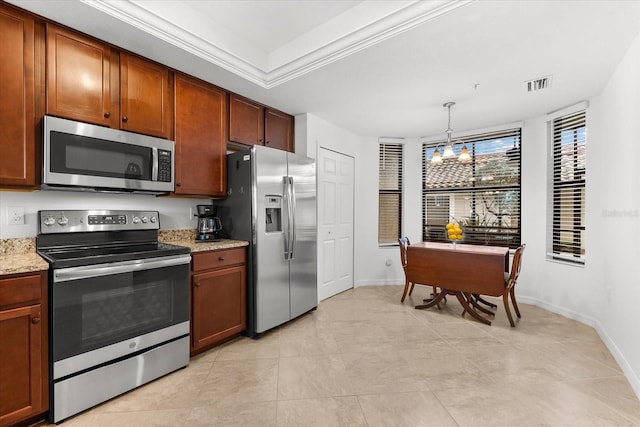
(566, 260)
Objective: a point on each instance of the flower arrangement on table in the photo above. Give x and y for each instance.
(454, 232)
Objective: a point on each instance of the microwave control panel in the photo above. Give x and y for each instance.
(164, 166)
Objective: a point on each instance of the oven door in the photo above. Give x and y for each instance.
(102, 312)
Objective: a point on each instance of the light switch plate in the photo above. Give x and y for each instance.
(15, 215)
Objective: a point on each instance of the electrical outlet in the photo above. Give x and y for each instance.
(15, 215)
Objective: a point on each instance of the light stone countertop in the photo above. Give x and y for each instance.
(19, 255)
(22, 263)
(209, 246)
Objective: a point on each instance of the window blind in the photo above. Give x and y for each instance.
(482, 194)
(568, 182)
(390, 194)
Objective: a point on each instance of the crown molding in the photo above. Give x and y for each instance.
(312, 55)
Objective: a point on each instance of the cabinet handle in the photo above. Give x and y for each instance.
(35, 320)
(107, 114)
(197, 284)
(220, 258)
(267, 142)
(178, 184)
(125, 118)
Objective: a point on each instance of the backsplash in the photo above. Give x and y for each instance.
(175, 213)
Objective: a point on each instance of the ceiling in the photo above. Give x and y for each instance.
(376, 68)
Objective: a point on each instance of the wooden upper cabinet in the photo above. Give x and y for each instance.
(91, 82)
(278, 130)
(146, 101)
(200, 132)
(17, 91)
(246, 121)
(251, 123)
(82, 78)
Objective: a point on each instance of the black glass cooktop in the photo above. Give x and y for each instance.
(89, 255)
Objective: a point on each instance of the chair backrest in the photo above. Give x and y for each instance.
(516, 265)
(404, 243)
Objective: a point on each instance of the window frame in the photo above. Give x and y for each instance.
(397, 148)
(557, 251)
(492, 235)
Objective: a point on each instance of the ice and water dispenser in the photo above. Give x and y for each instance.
(273, 207)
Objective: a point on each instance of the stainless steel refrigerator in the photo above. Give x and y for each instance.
(271, 202)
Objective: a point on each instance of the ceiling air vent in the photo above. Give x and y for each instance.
(538, 84)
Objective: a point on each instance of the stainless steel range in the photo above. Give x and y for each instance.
(118, 305)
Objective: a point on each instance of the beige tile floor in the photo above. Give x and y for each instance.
(364, 359)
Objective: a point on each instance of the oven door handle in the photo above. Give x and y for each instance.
(88, 271)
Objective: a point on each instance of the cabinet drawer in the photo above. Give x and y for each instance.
(17, 290)
(219, 259)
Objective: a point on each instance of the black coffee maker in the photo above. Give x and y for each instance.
(209, 224)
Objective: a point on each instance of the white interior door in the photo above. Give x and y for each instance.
(335, 219)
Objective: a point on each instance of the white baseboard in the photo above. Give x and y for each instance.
(633, 379)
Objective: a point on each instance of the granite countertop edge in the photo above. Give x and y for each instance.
(27, 262)
(209, 246)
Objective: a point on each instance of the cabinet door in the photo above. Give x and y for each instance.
(219, 305)
(278, 130)
(81, 78)
(246, 121)
(17, 89)
(145, 97)
(200, 131)
(21, 376)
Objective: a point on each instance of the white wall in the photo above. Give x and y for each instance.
(174, 212)
(615, 176)
(604, 292)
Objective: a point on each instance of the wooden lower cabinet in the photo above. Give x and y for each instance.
(23, 347)
(218, 297)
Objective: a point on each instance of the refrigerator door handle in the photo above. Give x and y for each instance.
(292, 245)
(287, 202)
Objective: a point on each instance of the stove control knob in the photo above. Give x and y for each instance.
(135, 220)
(153, 219)
(145, 220)
(63, 221)
(49, 221)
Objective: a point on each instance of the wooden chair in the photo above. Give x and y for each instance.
(510, 284)
(510, 280)
(404, 243)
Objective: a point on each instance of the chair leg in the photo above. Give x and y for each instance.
(505, 299)
(412, 286)
(478, 298)
(406, 287)
(513, 301)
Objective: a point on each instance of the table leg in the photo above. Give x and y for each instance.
(463, 298)
(435, 301)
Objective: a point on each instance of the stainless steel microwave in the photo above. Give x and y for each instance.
(81, 156)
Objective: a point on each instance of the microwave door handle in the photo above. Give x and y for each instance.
(154, 164)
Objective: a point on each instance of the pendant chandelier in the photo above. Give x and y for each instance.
(448, 148)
